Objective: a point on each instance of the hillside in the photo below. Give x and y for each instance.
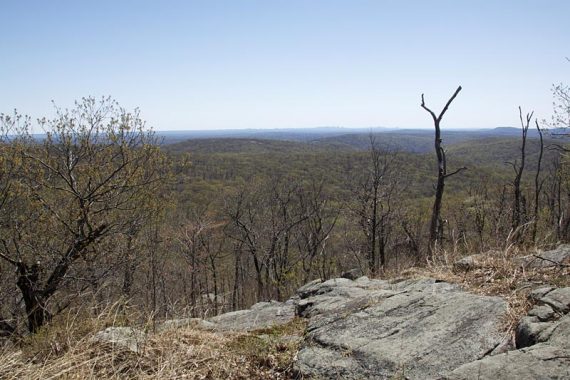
(415, 141)
(478, 147)
(242, 146)
(498, 151)
(335, 159)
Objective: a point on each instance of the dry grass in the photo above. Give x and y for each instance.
(57, 353)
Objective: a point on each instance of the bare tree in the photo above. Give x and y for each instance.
(375, 208)
(97, 168)
(538, 183)
(266, 223)
(188, 239)
(244, 218)
(442, 174)
(315, 231)
(519, 203)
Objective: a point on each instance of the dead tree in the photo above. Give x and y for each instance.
(442, 174)
(537, 182)
(518, 198)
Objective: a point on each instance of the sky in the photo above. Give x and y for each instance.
(213, 64)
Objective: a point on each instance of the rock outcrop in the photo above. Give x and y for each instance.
(196, 323)
(417, 329)
(259, 316)
(411, 329)
(549, 259)
(542, 339)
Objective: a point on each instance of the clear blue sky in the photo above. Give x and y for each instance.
(286, 63)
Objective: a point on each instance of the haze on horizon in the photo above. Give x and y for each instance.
(198, 65)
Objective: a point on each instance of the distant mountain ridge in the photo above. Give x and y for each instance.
(319, 133)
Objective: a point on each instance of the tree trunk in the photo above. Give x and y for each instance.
(373, 232)
(435, 224)
(537, 183)
(236, 278)
(519, 205)
(440, 186)
(34, 301)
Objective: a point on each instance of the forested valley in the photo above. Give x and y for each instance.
(101, 212)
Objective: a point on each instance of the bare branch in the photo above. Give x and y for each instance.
(427, 109)
(444, 110)
(8, 259)
(456, 171)
(551, 261)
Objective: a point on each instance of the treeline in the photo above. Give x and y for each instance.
(97, 213)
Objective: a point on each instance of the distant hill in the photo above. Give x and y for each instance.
(242, 145)
(497, 151)
(477, 146)
(420, 141)
(354, 137)
(287, 134)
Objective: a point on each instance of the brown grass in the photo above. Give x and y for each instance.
(65, 351)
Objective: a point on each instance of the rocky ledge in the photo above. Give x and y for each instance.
(542, 340)
(411, 329)
(415, 329)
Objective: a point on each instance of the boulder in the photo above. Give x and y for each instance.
(127, 337)
(196, 323)
(548, 315)
(540, 362)
(259, 316)
(352, 274)
(558, 299)
(468, 263)
(374, 329)
(549, 259)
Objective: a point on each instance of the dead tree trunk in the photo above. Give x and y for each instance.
(518, 200)
(537, 183)
(442, 174)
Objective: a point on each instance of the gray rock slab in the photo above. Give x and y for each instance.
(544, 313)
(259, 316)
(541, 361)
(536, 294)
(128, 337)
(556, 257)
(422, 328)
(559, 333)
(558, 299)
(543, 339)
(196, 323)
(338, 294)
